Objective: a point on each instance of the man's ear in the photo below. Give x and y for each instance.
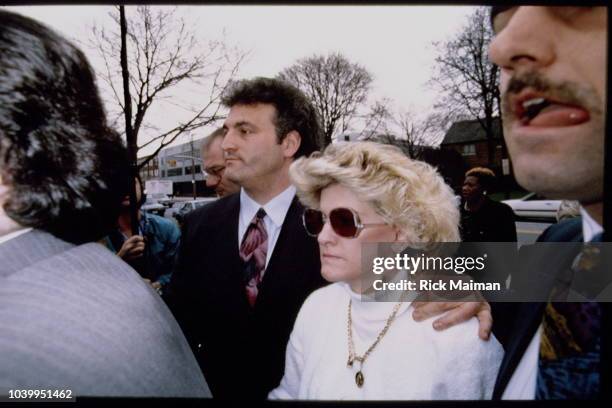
(3, 191)
(3, 187)
(291, 143)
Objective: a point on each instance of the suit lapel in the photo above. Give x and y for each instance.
(286, 242)
(529, 315)
(228, 240)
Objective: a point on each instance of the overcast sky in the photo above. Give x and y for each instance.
(393, 42)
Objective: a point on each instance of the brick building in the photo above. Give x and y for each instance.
(468, 138)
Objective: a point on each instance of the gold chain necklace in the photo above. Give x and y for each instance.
(359, 378)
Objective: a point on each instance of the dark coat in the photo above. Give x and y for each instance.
(493, 222)
(241, 350)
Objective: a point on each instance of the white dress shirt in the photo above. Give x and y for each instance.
(13, 234)
(522, 384)
(276, 210)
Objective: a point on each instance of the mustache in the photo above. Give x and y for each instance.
(564, 91)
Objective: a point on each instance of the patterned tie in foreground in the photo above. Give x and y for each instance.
(253, 252)
(569, 360)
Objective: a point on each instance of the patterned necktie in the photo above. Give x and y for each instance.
(253, 252)
(569, 360)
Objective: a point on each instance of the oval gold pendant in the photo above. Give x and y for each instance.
(359, 379)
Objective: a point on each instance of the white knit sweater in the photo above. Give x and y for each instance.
(412, 361)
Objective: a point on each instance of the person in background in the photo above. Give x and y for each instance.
(153, 251)
(362, 192)
(214, 165)
(74, 318)
(482, 219)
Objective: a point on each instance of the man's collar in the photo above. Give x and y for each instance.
(276, 208)
(13, 234)
(590, 227)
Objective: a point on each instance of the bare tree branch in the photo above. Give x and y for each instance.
(467, 81)
(165, 58)
(336, 86)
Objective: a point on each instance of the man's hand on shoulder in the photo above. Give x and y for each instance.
(454, 313)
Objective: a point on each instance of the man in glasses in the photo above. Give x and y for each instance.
(553, 85)
(246, 264)
(214, 165)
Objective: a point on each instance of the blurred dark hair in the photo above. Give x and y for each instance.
(294, 111)
(65, 168)
(485, 176)
(141, 187)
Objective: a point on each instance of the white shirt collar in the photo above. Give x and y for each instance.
(371, 310)
(14, 234)
(276, 208)
(590, 227)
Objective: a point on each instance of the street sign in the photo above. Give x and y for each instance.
(154, 187)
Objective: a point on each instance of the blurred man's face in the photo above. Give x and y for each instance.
(553, 71)
(471, 189)
(215, 169)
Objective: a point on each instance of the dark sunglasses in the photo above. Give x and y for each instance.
(344, 221)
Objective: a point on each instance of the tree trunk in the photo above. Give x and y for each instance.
(129, 134)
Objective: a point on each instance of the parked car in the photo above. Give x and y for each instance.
(152, 206)
(163, 199)
(174, 208)
(187, 206)
(534, 207)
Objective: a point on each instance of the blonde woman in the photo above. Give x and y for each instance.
(343, 348)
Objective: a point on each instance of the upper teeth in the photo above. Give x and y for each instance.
(531, 102)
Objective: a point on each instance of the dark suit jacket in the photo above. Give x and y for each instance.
(516, 334)
(241, 350)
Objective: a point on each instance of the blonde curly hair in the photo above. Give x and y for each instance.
(410, 195)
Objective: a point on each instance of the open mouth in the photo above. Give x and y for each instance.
(538, 110)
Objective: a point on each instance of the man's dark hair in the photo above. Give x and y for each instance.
(485, 176)
(294, 111)
(66, 170)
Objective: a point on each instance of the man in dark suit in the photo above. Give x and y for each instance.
(74, 318)
(553, 74)
(246, 263)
